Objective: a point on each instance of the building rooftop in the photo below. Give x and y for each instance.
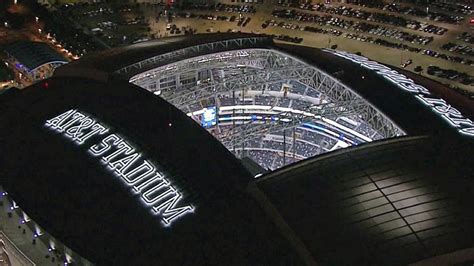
(34, 54)
(388, 202)
(391, 202)
(89, 207)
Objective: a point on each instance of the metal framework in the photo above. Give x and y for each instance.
(250, 130)
(253, 70)
(192, 51)
(254, 80)
(337, 91)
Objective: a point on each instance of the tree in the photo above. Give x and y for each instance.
(15, 21)
(418, 69)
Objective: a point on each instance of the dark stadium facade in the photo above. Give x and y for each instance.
(234, 150)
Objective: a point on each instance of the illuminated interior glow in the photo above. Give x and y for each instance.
(227, 110)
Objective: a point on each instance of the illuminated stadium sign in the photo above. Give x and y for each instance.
(440, 106)
(123, 159)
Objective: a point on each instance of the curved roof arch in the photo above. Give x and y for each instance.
(256, 70)
(136, 58)
(146, 56)
(34, 55)
(73, 188)
(270, 63)
(393, 201)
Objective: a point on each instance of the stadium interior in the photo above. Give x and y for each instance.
(400, 193)
(267, 105)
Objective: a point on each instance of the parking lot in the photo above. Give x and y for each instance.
(114, 24)
(391, 34)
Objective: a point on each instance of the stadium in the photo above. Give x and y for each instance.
(234, 149)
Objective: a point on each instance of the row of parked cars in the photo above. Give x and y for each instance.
(454, 7)
(205, 16)
(467, 37)
(427, 52)
(292, 26)
(220, 7)
(418, 12)
(287, 38)
(399, 35)
(372, 16)
(420, 9)
(323, 31)
(241, 20)
(173, 29)
(99, 11)
(328, 20)
(451, 58)
(364, 27)
(450, 74)
(382, 42)
(463, 49)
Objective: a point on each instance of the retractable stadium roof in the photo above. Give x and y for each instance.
(57, 173)
(389, 202)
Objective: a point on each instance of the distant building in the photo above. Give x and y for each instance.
(34, 60)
